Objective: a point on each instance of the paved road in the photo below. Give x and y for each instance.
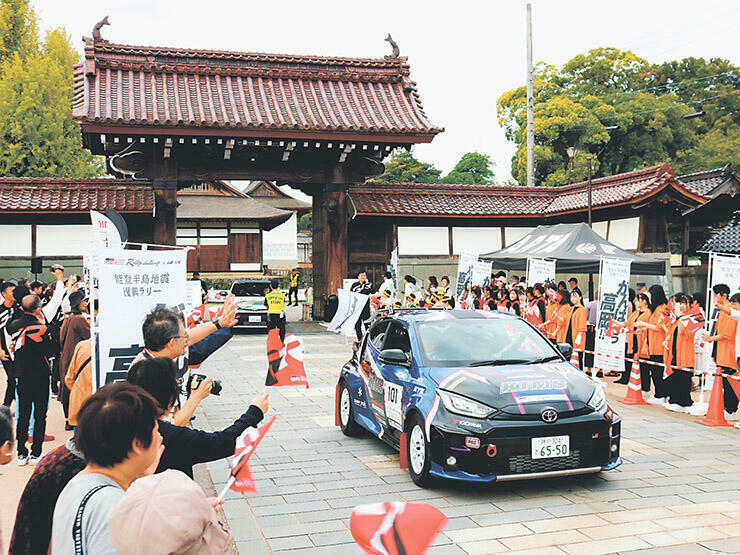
(677, 492)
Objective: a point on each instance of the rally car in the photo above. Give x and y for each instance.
(251, 311)
(476, 396)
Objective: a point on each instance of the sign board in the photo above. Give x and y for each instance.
(464, 273)
(130, 284)
(193, 295)
(394, 267)
(614, 279)
(105, 232)
(722, 269)
(481, 273)
(540, 270)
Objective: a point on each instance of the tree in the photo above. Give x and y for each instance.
(473, 168)
(18, 29)
(37, 136)
(620, 110)
(714, 149)
(305, 223)
(402, 167)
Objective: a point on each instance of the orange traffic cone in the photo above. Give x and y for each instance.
(574, 359)
(716, 412)
(634, 388)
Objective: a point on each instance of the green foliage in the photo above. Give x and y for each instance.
(714, 149)
(402, 167)
(37, 136)
(305, 223)
(473, 168)
(609, 87)
(18, 29)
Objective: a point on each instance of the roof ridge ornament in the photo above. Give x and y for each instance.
(96, 30)
(394, 45)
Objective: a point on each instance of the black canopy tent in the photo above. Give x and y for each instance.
(575, 247)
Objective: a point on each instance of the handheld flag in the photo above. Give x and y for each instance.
(396, 528)
(240, 478)
(285, 360)
(693, 320)
(614, 329)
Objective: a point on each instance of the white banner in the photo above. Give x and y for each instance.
(722, 269)
(614, 280)
(130, 284)
(193, 295)
(394, 268)
(105, 232)
(481, 273)
(540, 270)
(349, 310)
(464, 272)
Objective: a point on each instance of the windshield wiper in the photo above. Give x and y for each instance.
(545, 359)
(498, 362)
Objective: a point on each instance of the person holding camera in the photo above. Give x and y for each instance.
(185, 446)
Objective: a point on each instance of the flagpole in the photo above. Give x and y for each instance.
(226, 488)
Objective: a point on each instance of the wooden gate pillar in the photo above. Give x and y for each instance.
(165, 212)
(330, 253)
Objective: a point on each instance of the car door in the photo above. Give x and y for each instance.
(395, 377)
(369, 411)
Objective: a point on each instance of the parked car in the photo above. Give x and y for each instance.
(251, 311)
(475, 396)
(216, 295)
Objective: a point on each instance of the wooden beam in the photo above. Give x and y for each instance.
(165, 213)
(330, 259)
(685, 239)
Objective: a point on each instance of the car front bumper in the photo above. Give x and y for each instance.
(505, 449)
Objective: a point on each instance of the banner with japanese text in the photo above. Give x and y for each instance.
(481, 275)
(540, 270)
(465, 264)
(130, 284)
(614, 279)
(394, 268)
(722, 269)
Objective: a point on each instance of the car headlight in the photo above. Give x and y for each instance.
(598, 400)
(462, 405)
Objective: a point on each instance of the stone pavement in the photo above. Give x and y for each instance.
(677, 491)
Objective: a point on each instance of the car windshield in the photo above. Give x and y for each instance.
(251, 289)
(479, 342)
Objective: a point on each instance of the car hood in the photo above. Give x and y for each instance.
(519, 389)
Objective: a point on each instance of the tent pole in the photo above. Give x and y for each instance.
(590, 287)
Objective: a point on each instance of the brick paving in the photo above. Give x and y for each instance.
(677, 491)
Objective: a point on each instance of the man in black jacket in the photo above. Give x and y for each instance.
(33, 344)
(185, 446)
(7, 307)
(363, 286)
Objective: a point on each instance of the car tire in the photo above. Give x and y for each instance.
(418, 452)
(346, 413)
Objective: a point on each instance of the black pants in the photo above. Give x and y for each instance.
(678, 386)
(645, 368)
(55, 375)
(293, 291)
(656, 372)
(729, 393)
(33, 391)
(10, 391)
(625, 378)
(277, 321)
(359, 324)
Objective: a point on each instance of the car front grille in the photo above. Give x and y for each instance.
(524, 464)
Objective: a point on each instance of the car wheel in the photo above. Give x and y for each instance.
(346, 413)
(418, 453)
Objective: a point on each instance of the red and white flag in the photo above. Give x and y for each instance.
(693, 320)
(396, 527)
(285, 360)
(614, 329)
(241, 475)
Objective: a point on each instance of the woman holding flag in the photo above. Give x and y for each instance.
(679, 355)
(575, 333)
(656, 334)
(635, 344)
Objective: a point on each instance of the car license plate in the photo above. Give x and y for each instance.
(550, 447)
(255, 319)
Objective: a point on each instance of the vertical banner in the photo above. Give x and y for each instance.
(722, 269)
(193, 296)
(105, 232)
(464, 273)
(130, 284)
(481, 275)
(614, 279)
(394, 268)
(540, 270)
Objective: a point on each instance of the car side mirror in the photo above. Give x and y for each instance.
(565, 349)
(394, 356)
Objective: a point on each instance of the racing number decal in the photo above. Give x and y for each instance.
(393, 395)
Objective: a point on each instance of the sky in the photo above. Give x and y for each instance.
(463, 54)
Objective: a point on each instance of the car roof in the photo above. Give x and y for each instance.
(421, 315)
(251, 281)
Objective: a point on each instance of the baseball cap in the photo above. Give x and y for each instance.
(166, 513)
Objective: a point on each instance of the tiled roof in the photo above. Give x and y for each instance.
(203, 207)
(709, 182)
(180, 88)
(42, 194)
(725, 239)
(493, 201)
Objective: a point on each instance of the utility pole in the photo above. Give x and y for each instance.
(530, 101)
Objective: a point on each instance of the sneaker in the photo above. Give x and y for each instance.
(22, 461)
(673, 407)
(656, 400)
(737, 425)
(33, 459)
(731, 416)
(645, 394)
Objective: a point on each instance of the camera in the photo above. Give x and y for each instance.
(216, 385)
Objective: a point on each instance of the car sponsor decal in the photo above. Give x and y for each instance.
(523, 399)
(431, 414)
(472, 442)
(549, 372)
(531, 385)
(468, 423)
(458, 376)
(393, 396)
